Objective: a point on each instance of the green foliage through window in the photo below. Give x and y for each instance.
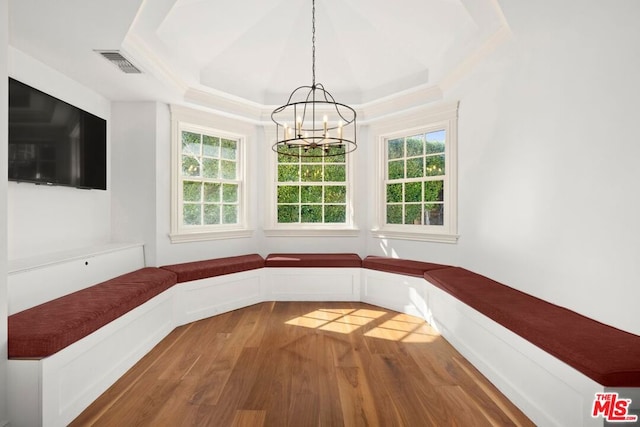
(210, 181)
(415, 179)
(311, 190)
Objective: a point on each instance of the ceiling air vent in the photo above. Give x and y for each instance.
(119, 61)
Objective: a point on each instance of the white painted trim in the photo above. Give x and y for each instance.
(417, 236)
(270, 224)
(183, 118)
(213, 235)
(309, 232)
(434, 118)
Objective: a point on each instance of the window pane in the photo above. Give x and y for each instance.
(311, 194)
(312, 173)
(228, 169)
(317, 153)
(191, 143)
(333, 158)
(230, 214)
(395, 148)
(436, 141)
(212, 192)
(212, 214)
(335, 213)
(394, 214)
(191, 214)
(191, 191)
(394, 193)
(335, 173)
(311, 213)
(229, 149)
(434, 214)
(335, 194)
(433, 191)
(413, 192)
(284, 158)
(288, 173)
(434, 165)
(414, 167)
(288, 213)
(396, 169)
(210, 146)
(413, 214)
(210, 168)
(415, 145)
(288, 194)
(190, 166)
(230, 193)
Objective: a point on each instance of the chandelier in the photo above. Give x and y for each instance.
(312, 123)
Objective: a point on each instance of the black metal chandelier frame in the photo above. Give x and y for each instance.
(309, 136)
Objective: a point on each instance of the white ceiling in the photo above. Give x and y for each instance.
(255, 50)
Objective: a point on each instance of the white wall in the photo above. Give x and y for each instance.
(42, 219)
(548, 160)
(133, 174)
(4, 43)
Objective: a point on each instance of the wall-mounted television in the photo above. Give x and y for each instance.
(54, 143)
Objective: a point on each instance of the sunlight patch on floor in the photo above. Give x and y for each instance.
(401, 327)
(343, 321)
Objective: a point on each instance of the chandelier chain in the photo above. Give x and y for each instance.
(313, 42)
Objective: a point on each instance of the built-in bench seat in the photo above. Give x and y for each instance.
(337, 260)
(47, 328)
(607, 355)
(312, 277)
(196, 270)
(400, 266)
(550, 361)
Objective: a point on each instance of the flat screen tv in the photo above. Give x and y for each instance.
(54, 143)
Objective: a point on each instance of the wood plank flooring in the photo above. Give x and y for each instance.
(303, 364)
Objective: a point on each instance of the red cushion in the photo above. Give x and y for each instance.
(45, 329)
(313, 260)
(607, 355)
(215, 267)
(400, 266)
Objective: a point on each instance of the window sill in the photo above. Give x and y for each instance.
(420, 236)
(209, 235)
(311, 232)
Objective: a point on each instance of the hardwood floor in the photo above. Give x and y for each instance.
(303, 364)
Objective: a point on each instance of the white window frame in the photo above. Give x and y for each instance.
(274, 229)
(184, 119)
(438, 118)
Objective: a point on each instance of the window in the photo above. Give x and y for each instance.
(417, 197)
(311, 190)
(210, 185)
(311, 195)
(415, 179)
(208, 189)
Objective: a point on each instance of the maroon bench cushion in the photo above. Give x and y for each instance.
(215, 267)
(400, 266)
(607, 355)
(313, 260)
(45, 329)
